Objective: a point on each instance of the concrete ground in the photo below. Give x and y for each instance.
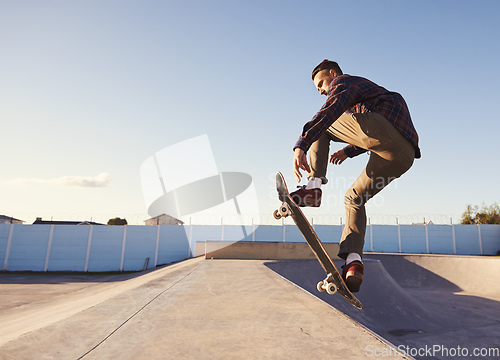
(196, 309)
(430, 306)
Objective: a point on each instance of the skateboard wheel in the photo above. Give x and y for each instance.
(276, 215)
(331, 288)
(321, 287)
(284, 210)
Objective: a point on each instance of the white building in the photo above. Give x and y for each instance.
(163, 219)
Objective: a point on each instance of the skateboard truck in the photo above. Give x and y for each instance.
(327, 285)
(283, 211)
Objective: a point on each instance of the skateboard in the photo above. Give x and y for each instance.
(333, 282)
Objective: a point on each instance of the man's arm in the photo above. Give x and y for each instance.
(300, 162)
(342, 96)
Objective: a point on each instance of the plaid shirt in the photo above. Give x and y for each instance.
(353, 94)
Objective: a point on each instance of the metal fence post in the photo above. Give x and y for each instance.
(399, 237)
(426, 238)
(454, 239)
(284, 227)
(89, 243)
(253, 231)
(480, 239)
(124, 239)
(49, 246)
(7, 250)
(371, 238)
(158, 245)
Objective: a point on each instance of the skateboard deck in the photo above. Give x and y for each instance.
(333, 282)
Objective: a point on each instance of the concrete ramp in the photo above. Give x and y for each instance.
(412, 306)
(478, 275)
(387, 307)
(254, 309)
(198, 309)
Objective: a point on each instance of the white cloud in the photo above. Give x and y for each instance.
(101, 180)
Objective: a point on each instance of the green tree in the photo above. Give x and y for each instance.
(485, 215)
(117, 221)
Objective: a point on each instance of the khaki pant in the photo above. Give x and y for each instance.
(391, 155)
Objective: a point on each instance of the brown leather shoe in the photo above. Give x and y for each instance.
(353, 275)
(304, 197)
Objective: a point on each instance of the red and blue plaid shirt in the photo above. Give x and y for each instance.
(354, 94)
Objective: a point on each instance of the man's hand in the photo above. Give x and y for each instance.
(338, 157)
(300, 162)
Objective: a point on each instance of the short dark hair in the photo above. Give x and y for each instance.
(326, 65)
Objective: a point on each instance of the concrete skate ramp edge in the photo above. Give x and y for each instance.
(387, 311)
(408, 304)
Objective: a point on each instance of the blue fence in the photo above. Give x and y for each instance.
(90, 248)
(134, 247)
(434, 239)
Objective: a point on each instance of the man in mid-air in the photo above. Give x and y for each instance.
(368, 118)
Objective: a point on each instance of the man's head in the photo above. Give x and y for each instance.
(324, 73)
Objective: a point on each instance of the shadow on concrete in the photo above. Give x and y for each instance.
(409, 306)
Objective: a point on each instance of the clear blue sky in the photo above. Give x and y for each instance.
(90, 88)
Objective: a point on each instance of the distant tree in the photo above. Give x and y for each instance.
(117, 221)
(485, 215)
